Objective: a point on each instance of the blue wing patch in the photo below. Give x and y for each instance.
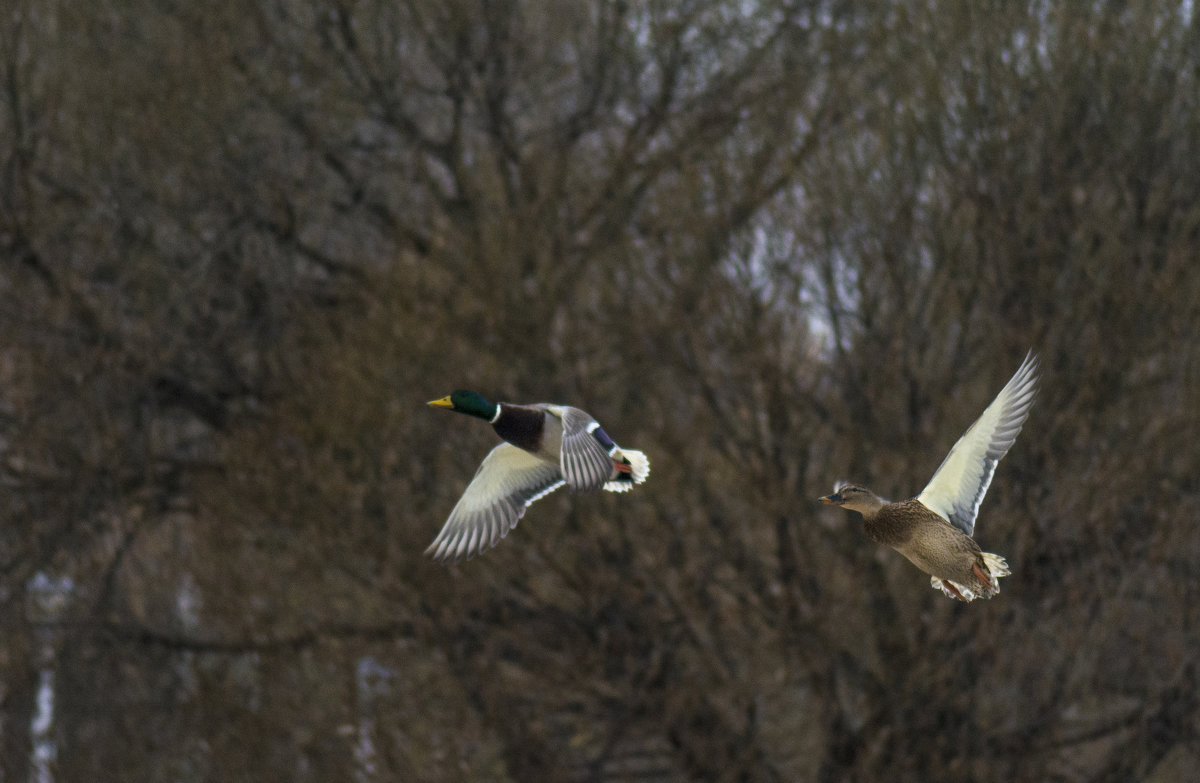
(602, 438)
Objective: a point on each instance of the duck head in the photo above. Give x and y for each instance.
(855, 498)
(468, 402)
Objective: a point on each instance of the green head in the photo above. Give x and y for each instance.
(468, 402)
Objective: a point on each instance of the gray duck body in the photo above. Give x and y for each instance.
(545, 447)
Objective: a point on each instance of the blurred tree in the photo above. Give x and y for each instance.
(772, 244)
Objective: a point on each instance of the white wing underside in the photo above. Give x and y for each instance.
(508, 480)
(959, 484)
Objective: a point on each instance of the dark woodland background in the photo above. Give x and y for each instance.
(772, 244)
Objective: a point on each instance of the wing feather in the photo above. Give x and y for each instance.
(586, 463)
(959, 484)
(508, 480)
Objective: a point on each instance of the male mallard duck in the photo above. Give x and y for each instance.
(546, 446)
(933, 530)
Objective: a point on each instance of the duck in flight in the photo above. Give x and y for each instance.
(934, 529)
(545, 446)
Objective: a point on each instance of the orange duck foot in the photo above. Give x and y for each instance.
(983, 577)
(950, 586)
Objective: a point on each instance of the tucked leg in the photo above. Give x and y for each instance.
(983, 577)
(950, 586)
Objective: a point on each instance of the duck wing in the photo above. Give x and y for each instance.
(508, 480)
(959, 484)
(586, 455)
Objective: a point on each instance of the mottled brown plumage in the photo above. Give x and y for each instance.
(934, 529)
(952, 558)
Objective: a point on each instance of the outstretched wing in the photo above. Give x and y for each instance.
(508, 480)
(958, 486)
(586, 458)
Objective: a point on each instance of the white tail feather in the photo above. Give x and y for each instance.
(996, 566)
(639, 466)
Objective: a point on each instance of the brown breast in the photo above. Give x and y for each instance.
(521, 425)
(893, 525)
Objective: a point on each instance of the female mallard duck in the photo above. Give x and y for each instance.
(546, 446)
(933, 530)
